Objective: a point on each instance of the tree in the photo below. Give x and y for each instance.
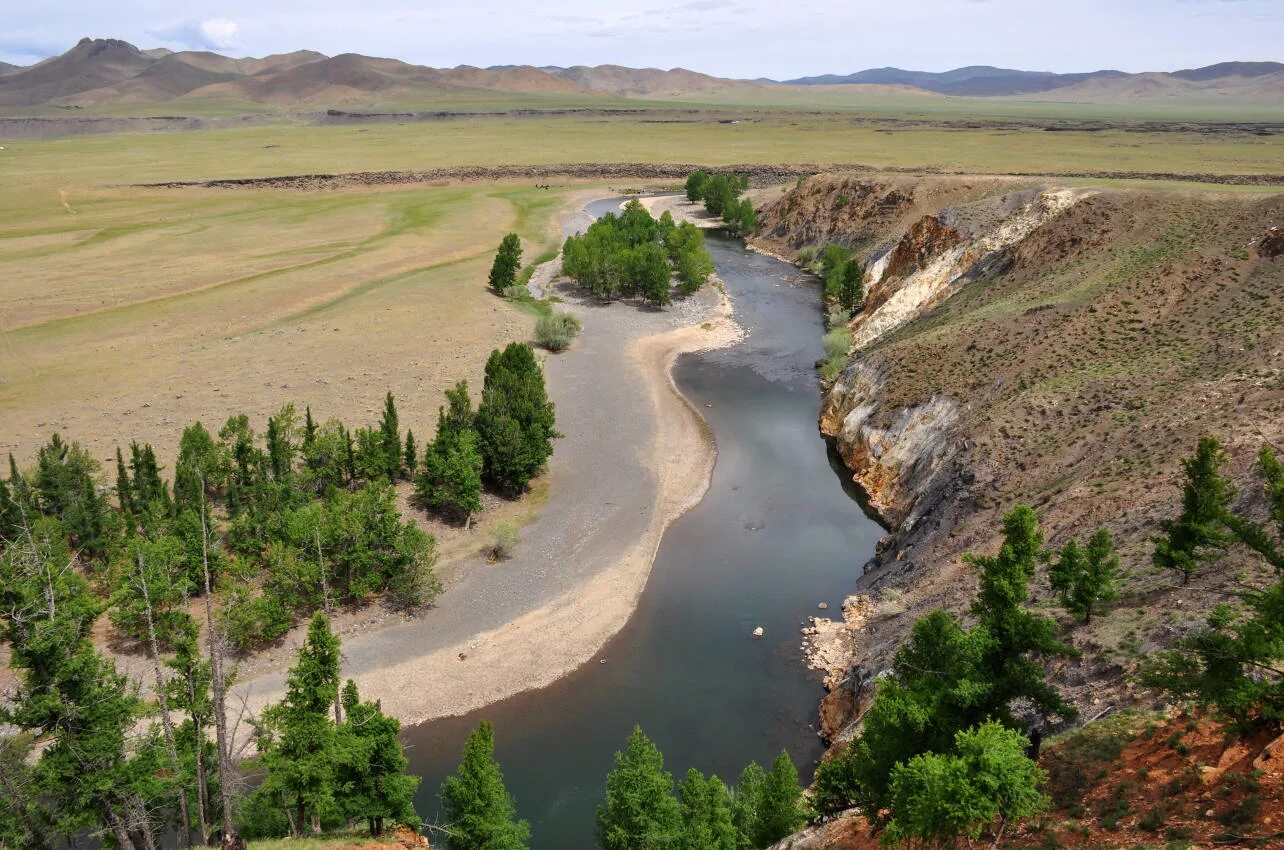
(479, 809)
(515, 418)
(696, 183)
(1015, 634)
(939, 797)
(780, 806)
(1198, 535)
(851, 289)
(745, 804)
(508, 259)
(390, 438)
(707, 822)
(1234, 663)
(649, 272)
(1084, 576)
(410, 459)
(451, 478)
(371, 773)
(298, 748)
(640, 812)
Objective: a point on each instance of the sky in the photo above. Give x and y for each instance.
(734, 38)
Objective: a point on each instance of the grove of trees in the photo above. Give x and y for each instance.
(633, 254)
(721, 195)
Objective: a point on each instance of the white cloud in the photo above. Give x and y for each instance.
(209, 34)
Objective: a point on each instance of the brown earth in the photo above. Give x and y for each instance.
(1134, 781)
(1077, 366)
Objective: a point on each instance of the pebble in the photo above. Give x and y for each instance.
(758, 632)
(822, 606)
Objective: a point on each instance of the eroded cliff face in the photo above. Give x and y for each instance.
(1058, 346)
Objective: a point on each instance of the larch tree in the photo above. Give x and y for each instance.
(1198, 535)
(707, 821)
(479, 811)
(370, 775)
(1083, 576)
(640, 811)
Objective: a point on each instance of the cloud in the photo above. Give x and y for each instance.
(210, 34)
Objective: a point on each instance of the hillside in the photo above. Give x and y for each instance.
(100, 73)
(1064, 347)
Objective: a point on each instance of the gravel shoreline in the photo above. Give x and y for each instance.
(634, 457)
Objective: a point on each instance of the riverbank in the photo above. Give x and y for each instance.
(635, 456)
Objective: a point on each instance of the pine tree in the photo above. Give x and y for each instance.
(640, 812)
(706, 813)
(371, 772)
(300, 758)
(124, 490)
(1198, 535)
(390, 438)
(1084, 576)
(278, 449)
(508, 259)
(450, 480)
(309, 429)
(477, 806)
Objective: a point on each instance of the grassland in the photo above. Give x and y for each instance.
(130, 312)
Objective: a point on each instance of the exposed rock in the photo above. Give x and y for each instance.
(1272, 244)
(758, 632)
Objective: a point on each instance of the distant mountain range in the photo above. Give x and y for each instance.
(98, 72)
(988, 81)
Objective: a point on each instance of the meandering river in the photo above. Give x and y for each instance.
(777, 533)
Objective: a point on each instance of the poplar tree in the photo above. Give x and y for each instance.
(508, 259)
(640, 811)
(1198, 535)
(478, 808)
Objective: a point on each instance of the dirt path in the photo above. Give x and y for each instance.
(634, 456)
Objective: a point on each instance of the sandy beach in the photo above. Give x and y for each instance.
(635, 455)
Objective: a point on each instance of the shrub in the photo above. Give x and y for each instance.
(555, 332)
(516, 292)
(837, 343)
(504, 541)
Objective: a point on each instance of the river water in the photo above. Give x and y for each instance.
(777, 533)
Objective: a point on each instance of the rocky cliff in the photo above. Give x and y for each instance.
(1054, 345)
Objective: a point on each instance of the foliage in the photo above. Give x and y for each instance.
(634, 254)
(707, 821)
(947, 679)
(555, 332)
(451, 478)
(1084, 576)
(640, 812)
(1198, 535)
(508, 259)
(695, 185)
(478, 807)
(938, 797)
(1233, 663)
(514, 419)
(370, 774)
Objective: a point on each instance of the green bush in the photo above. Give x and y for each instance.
(837, 343)
(555, 332)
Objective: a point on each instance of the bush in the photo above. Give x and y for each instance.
(516, 292)
(555, 332)
(505, 540)
(806, 255)
(837, 343)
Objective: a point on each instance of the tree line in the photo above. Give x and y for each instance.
(721, 195)
(634, 254)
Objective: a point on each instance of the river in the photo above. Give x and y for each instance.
(777, 533)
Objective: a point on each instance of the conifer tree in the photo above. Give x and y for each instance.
(410, 458)
(309, 428)
(780, 807)
(1014, 634)
(851, 291)
(1084, 576)
(371, 772)
(640, 812)
(706, 813)
(390, 438)
(746, 801)
(508, 259)
(450, 480)
(477, 806)
(1198, 536)
(124, 491)
(300, 756)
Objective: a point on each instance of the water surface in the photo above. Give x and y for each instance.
(777, 533)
